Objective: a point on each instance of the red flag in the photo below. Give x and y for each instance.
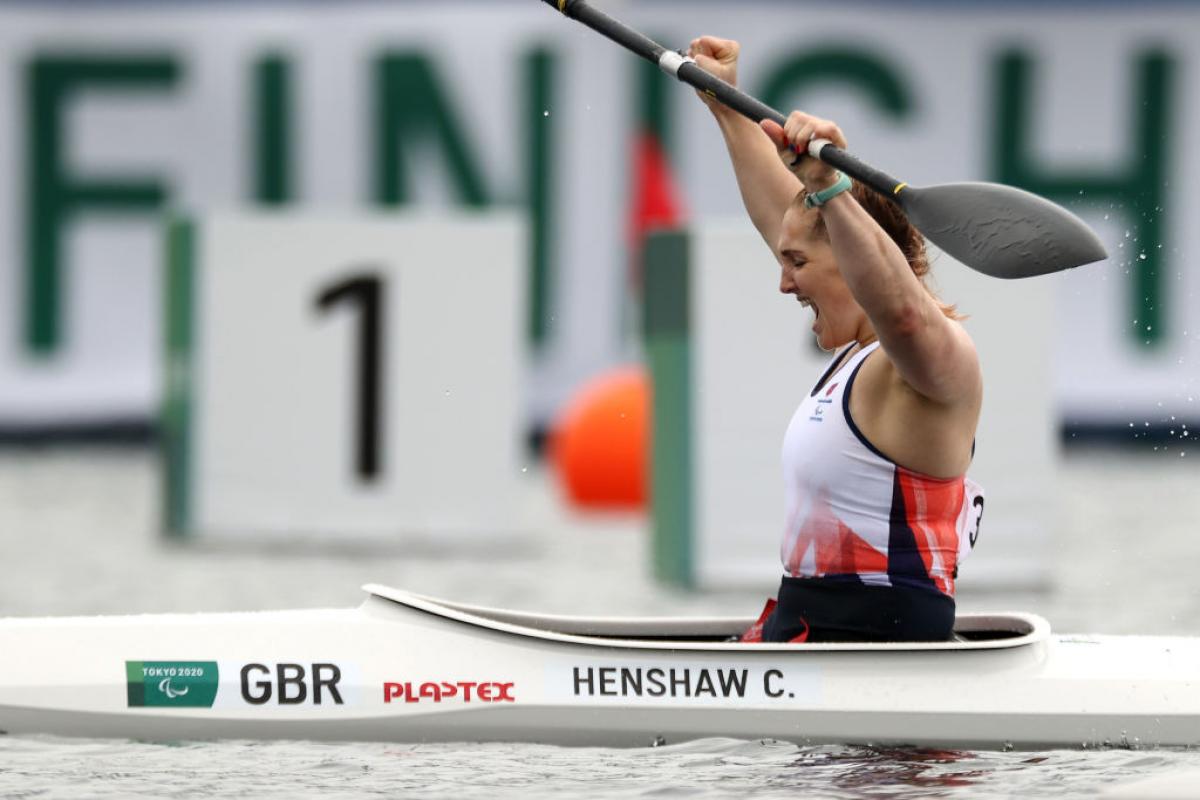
(655, 202)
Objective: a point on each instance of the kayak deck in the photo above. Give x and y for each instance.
(974, 631)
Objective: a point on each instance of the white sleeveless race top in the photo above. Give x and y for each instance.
(854, 514)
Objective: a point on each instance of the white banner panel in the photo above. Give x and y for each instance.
(114, 114)
(360, 376)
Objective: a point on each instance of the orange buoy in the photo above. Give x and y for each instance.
(599, 445)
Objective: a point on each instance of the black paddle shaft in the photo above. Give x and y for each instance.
(696, 77)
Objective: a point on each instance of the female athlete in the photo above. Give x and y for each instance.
(875, 457)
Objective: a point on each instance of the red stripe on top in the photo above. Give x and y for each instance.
(847, 553)
(932, 507)
(838, 550)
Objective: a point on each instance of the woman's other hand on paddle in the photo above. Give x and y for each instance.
(719, 57)
(792, 142)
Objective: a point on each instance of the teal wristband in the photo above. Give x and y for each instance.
(816, 199)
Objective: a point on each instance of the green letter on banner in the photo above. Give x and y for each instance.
(1134, 189)
(858, 68)
(273, 142)
(411, 107)
(539, 137)
(53, 197)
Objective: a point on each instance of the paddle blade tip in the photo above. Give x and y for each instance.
(1002, 231)
(1060, 256)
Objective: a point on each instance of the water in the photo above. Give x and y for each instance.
(77, 528)
(61, 768)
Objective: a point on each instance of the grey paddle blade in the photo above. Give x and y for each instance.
(999, 230)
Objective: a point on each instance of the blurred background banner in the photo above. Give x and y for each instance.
(113, 115)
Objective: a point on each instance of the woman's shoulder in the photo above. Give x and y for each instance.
(944, 368)
(956, 373)
(928, 436)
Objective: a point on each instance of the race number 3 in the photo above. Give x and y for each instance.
(977, 509)
(364, 292)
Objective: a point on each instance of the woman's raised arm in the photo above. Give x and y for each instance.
(766, 185)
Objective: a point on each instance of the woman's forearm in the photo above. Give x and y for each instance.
(874, 268)
(910, 324)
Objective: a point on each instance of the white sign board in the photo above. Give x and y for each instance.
(752, 360)
(352, 377)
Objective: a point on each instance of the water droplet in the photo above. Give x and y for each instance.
(546, 113)
(1141, 256)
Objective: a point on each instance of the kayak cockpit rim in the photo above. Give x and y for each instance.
(999, 631)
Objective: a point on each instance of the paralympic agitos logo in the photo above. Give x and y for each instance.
(437, 691)
(171, 683)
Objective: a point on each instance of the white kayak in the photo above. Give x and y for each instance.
(403, 667)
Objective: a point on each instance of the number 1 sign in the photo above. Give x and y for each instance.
(345, 378)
